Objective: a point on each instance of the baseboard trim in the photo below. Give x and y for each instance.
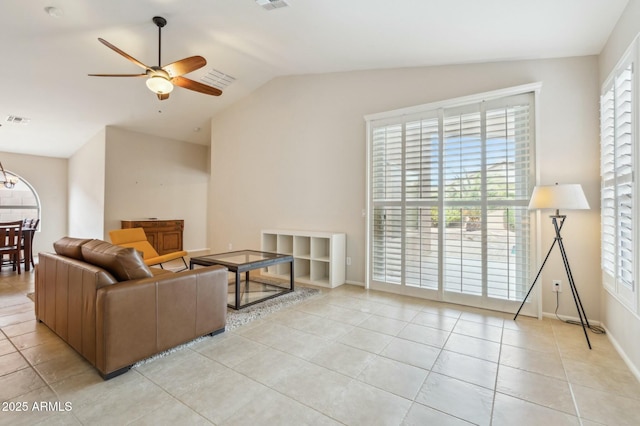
(622, 354)
(198, 252)
(552, 315)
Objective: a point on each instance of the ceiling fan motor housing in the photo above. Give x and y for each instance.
(159, 21)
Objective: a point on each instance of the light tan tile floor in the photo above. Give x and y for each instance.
(348, 357)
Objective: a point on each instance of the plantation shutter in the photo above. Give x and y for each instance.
(488, 176)
(386, 165)
(509, 149)
(422, 169)
(607, 172)
(449, 190)
(463, 165)
(617, 181)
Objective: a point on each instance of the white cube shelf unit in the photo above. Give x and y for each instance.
(318, 257)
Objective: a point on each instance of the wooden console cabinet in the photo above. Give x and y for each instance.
(164, 235)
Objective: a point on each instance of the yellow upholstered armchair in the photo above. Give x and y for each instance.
(136, 238)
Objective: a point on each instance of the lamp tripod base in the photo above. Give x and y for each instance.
(574, 291)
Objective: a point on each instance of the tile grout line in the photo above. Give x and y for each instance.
(441, 349)
(293, 307)
(564, 370)
(495, 384)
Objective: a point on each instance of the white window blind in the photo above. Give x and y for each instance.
(617, 124)
(449, 195)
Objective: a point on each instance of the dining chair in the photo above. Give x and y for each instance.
(11, 242)
(29, 228)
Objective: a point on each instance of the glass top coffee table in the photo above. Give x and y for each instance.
(248, 290)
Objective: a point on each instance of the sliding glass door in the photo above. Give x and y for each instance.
(449, 189)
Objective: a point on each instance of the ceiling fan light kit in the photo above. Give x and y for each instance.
(159, 85)
(162, 79)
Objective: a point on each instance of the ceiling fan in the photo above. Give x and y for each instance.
(162, 78)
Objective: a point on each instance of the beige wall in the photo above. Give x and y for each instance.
(86, 189)
(622, 325)
(149, 176)
(621, 37)
(48, 176)
(292, 155)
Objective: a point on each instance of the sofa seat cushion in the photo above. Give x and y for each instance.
(70, 247)
(124, 263)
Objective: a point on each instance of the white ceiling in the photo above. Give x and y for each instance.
(45, 60)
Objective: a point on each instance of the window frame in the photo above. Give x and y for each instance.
(37, 206)
(612, 272)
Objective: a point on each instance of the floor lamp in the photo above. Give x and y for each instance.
(556, 197)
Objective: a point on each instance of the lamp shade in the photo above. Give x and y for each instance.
(566, 197)
(159, 85)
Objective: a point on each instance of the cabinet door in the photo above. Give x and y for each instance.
(169, 241)
(152, 237)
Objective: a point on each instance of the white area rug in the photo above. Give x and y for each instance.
(237, 318)
(244, 316)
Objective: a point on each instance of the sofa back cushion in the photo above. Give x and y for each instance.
(122, 262)
(70, 247)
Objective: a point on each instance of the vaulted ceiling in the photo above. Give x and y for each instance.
(46, 59)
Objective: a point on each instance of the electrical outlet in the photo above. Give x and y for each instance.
(230, 246)
(556, 286)
(348, 261)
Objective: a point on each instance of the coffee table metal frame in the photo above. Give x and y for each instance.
(268, 259)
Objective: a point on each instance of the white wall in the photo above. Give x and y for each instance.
(622, 325)
(48, 176)
(86, 189)
(149, 176)
(621, 37)
(292, 155)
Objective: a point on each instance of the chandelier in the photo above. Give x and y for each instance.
(9, 182)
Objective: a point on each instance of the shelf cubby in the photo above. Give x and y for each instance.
(285, 244)
(302, 269)
(270, 243)
(320, 271)
(320, 248)
(283, 269)
(302, 246)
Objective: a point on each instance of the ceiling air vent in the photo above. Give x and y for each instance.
(217, 79)
(14, 119)
(272, 4)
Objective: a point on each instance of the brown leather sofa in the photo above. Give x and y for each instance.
(114, 310)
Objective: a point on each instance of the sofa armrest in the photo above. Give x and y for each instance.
(139, 318)
(65, 291)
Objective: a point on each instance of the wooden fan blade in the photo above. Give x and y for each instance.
(194, 85)
(126, 55)
(184, 66)
(117, 75)
(163, 96)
